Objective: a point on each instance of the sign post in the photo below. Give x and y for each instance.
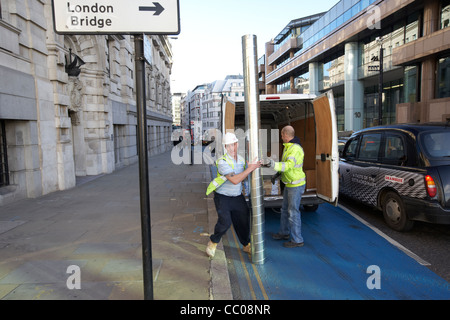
(136, 17)
(144, 188)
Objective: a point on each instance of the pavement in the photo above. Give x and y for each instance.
(85, 243)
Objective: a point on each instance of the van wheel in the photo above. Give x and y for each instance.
(310, 207)
(394, 213)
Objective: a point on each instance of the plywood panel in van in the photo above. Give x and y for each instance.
(229, 116)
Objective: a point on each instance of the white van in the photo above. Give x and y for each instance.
(314, 121)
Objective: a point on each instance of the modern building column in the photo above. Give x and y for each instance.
(354, 89)
(314, 78)
(430, 24)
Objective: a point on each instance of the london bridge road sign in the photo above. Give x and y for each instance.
(116, 16)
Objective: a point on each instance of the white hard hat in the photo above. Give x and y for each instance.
(229, 138)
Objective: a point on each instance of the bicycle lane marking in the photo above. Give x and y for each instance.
(335, 260)
(246, 269)
(385, 236)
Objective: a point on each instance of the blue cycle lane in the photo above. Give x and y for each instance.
(342, 259)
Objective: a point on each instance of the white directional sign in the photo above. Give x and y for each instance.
(116, 16)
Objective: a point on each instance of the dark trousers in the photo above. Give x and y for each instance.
(232, 210)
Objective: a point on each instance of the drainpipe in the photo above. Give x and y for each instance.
(252, 126)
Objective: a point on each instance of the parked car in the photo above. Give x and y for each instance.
(341, 145)
(403, 170)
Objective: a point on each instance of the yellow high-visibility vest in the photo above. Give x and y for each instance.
(220, 179)
(291, 165)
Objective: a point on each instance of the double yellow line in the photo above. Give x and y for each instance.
(247, 275)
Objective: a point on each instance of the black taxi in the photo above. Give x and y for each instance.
(403, 170)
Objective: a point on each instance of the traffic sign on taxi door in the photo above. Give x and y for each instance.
(116, 16)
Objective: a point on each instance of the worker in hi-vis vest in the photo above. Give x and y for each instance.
(292, 175)
(230, 203)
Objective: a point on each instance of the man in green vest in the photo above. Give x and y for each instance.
(230, 203)
(292, 175)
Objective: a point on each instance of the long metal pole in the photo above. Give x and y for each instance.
(252, 126)
(380, 89)
(143, 167)
(191, 135)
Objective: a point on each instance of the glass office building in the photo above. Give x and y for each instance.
(343, 48)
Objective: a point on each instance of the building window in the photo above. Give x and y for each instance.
(445, 14)
(332, 73)
(283, 86)
(302, 83)
(4, 171)
(443, 78)
(410, 80)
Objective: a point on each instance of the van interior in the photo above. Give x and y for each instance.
(275, 115)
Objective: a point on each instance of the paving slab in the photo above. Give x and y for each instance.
(96, 227)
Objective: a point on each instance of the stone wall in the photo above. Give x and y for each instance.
(58, 126)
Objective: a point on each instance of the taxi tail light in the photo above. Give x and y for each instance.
(430, 186)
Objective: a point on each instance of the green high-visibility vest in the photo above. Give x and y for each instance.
(220, 179)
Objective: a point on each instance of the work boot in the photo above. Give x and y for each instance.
(278, 236)
(247, 249)
(291, 244)
(211, 249)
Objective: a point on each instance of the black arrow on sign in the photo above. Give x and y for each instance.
(157, 8)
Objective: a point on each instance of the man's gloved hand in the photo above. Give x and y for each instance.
(266, 162)
(275, 177)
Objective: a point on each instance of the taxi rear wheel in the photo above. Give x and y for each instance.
(394, 212)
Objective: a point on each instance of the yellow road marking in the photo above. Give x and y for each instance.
(266, 297)
(247, 275)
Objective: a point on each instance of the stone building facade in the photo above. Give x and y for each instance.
(59, 122)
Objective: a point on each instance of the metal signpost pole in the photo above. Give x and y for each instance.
(143, 166)
(107, 17)
(191, 137)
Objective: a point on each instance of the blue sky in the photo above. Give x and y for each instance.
(209, 46)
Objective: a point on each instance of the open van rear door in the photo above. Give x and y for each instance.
(228, 118)
(327, 154)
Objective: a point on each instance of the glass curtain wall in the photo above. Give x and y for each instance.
(394, 91)
(392, 95)
(331, 73)
(338, 15)
(397, 35)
